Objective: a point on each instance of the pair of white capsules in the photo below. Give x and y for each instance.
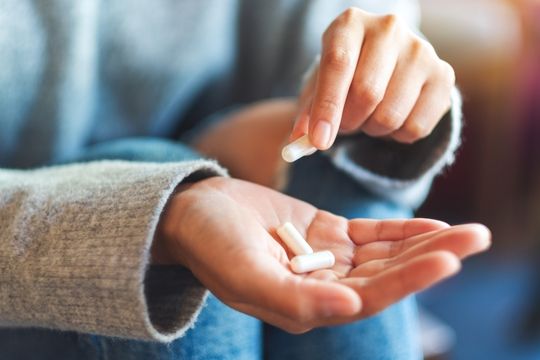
(305, 260)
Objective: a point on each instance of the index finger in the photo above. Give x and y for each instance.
(341, 46)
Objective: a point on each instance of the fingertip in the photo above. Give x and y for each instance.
(483, 233)
(448, 263)
(479, 233)
(482, 236)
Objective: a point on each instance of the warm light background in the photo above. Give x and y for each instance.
(492, 308)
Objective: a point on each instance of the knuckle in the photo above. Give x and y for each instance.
(428, 48)
(350, 15)
(405, 139)
(327, 34)
(389, 120)
(415, 130)
(328, 106)
(367, 95)
(345, 19)
(417, 49)
(448, 74)
(389, 22)
(348, 126)
(422, 53)
(337, 58)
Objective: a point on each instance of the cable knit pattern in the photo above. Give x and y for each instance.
(74, 249)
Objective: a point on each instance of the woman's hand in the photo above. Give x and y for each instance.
(374, 76)
(224, 231)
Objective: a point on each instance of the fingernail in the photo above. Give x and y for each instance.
(322, 133)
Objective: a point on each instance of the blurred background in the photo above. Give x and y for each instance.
(492, 309)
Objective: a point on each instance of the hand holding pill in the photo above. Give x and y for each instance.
(225, 232)
(305, 260)
(375, 76)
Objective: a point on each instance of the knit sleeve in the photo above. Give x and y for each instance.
(74, 249)
(401, 173)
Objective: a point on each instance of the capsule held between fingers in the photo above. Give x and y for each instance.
(299, 148)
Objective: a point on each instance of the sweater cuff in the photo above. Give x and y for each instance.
(78, 250)
(401, 172)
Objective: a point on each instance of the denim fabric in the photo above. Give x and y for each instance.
(392, 334)
(223, 333)
(220, 333)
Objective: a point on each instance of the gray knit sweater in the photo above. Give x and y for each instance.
(74, 240)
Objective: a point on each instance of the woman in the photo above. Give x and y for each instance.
(121, 248)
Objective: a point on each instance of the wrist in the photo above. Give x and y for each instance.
(169, 231)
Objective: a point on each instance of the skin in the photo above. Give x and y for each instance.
(375, 76)
(224, 231)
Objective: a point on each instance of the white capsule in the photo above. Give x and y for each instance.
(294, 241)
(297, 149)
(311, 262)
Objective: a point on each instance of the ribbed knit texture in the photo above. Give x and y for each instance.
(402, 173)
(74, 249)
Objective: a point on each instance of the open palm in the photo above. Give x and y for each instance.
(224, 231)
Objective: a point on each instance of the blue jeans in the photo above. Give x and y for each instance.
(223, 333)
